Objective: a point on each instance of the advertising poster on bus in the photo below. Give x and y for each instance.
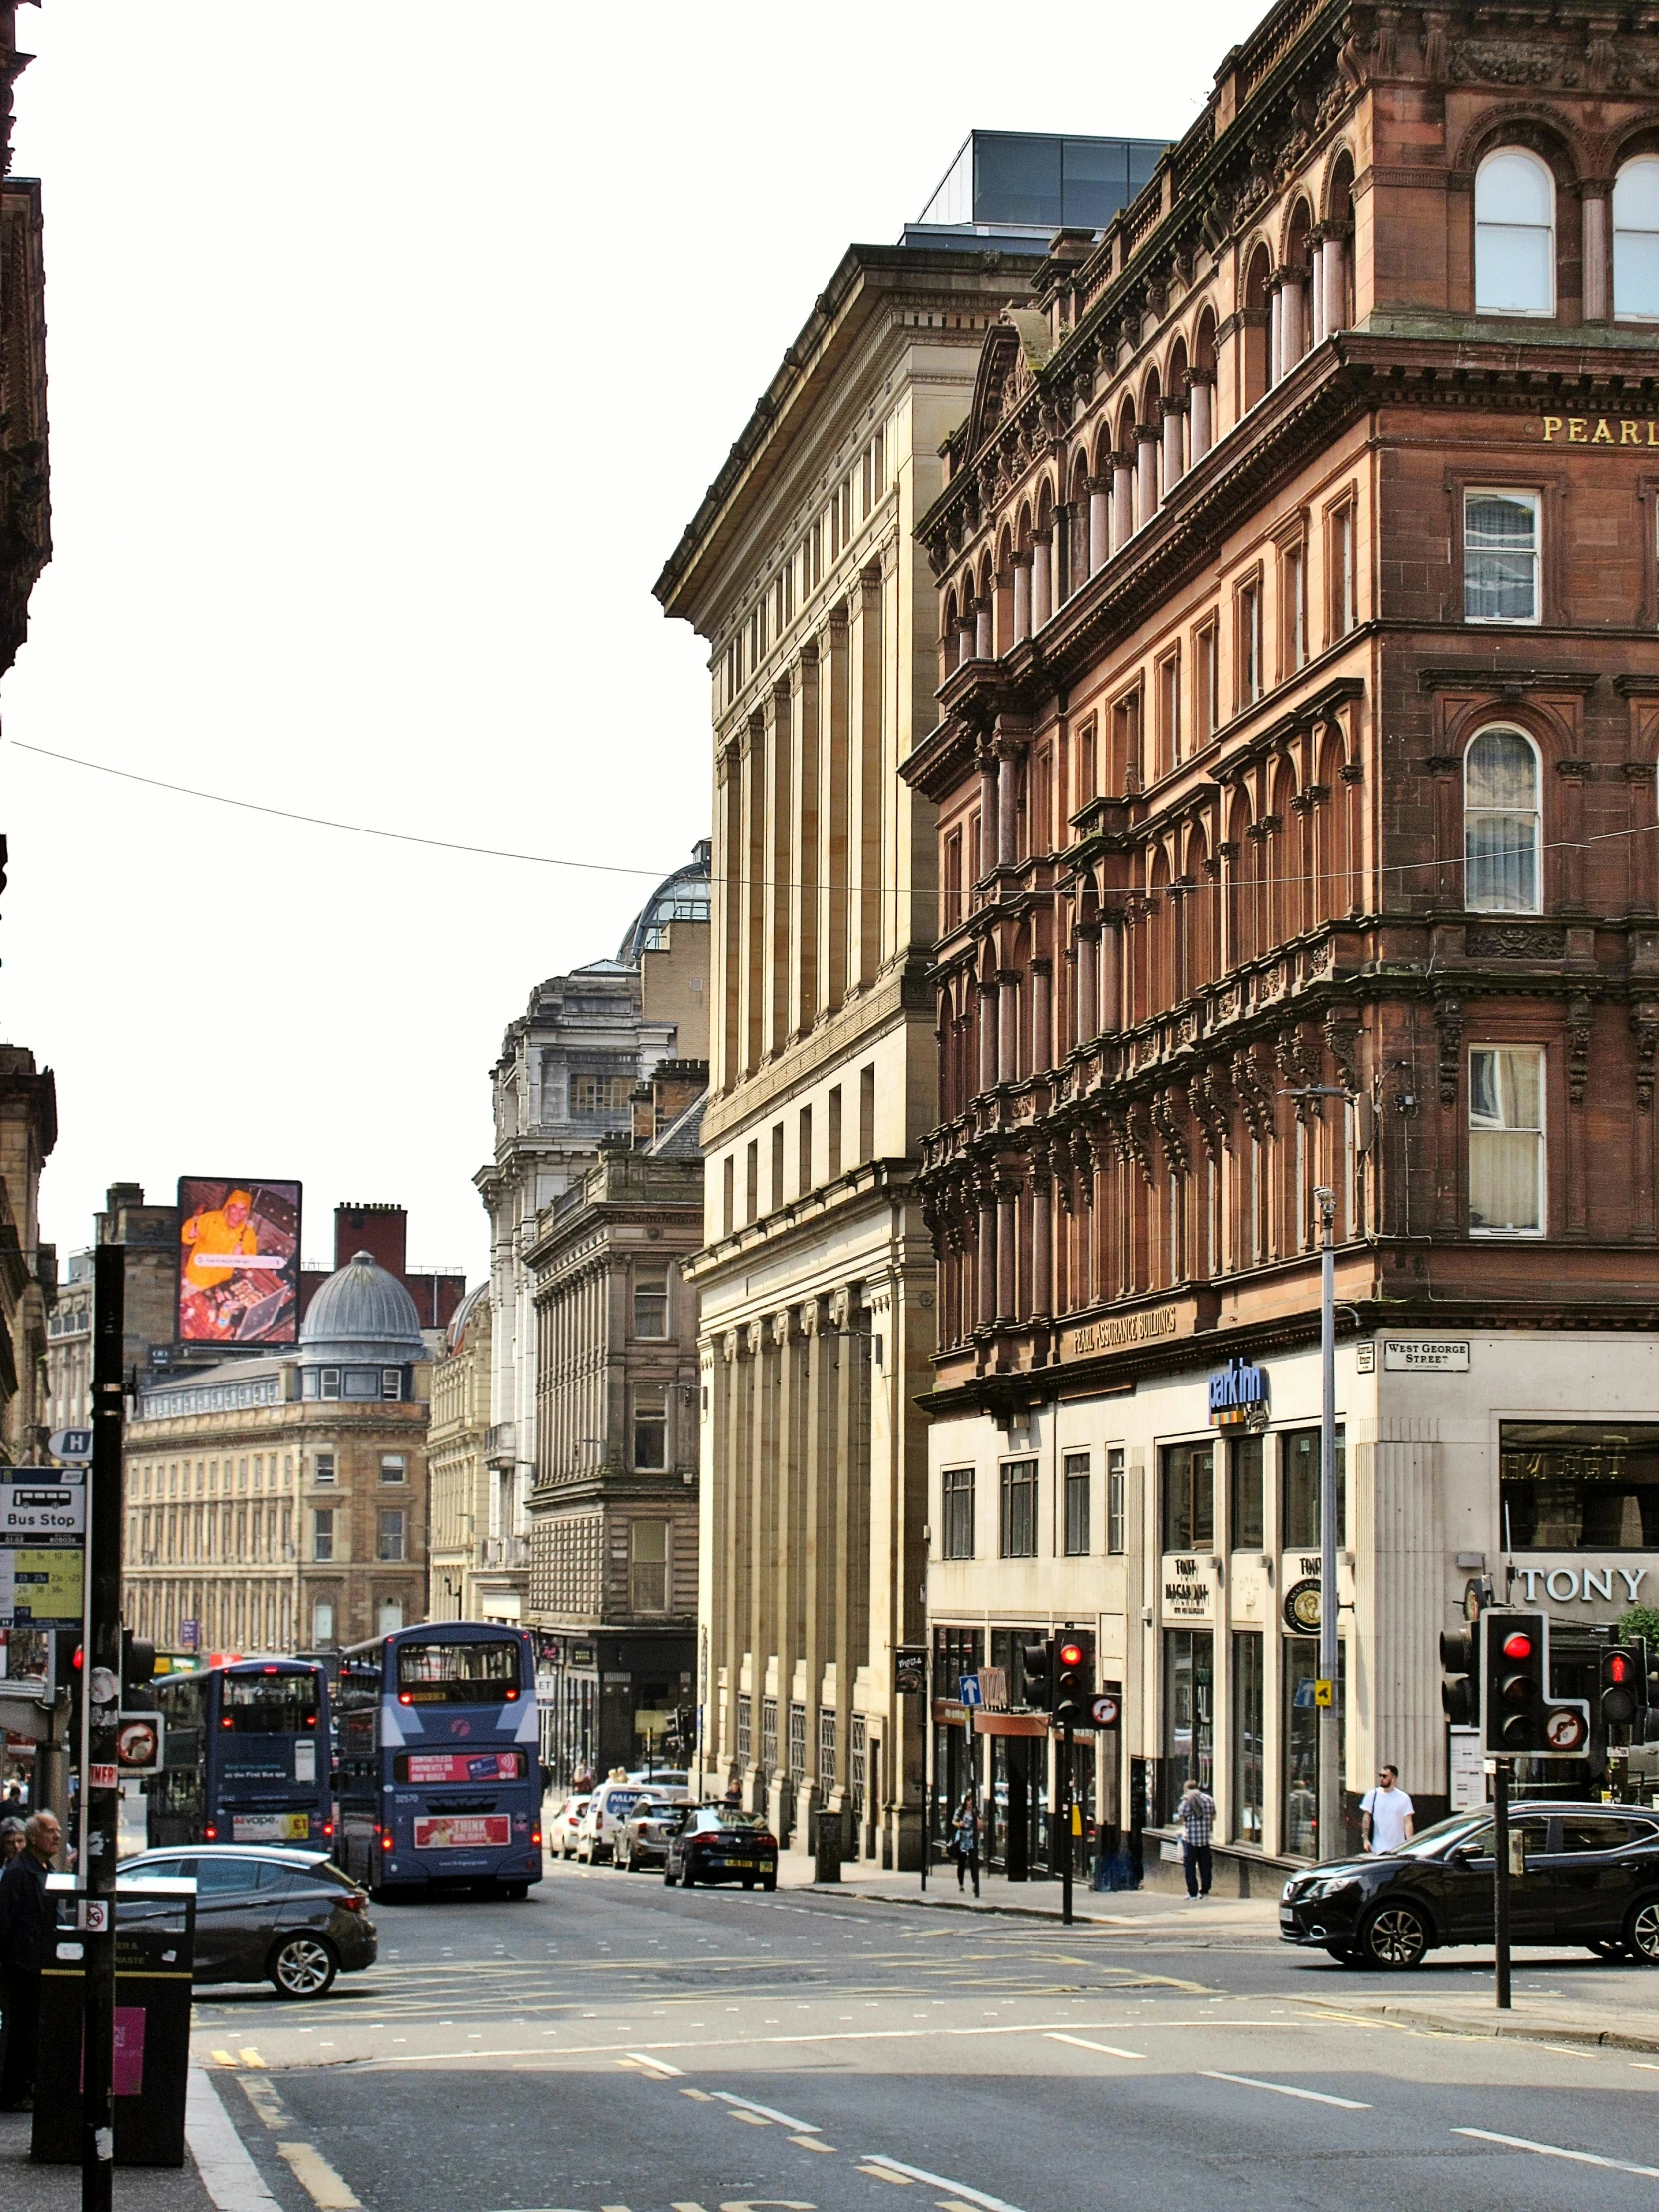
(239, 1261)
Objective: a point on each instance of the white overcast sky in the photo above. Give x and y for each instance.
(392, 345)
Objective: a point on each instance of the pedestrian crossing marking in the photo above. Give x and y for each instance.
(809, 2142)
(883, 2173)
(251, 2059)
(224, 2058)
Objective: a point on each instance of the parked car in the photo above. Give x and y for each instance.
(609, 1805)
(642, 1840)
(1591, 1879)
(287, 1917)
(717, 1843)
(561, 1836)
(663, 1777)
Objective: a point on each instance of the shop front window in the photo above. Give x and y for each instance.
(1188, 1497)
(1300, 1488)
(1243, 1457)
(1189, 1713)
(1580, 1486)
(956, 1651)
(1300, 1656)
(1247, 1737)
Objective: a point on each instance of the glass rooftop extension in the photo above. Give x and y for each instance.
(1029, 184)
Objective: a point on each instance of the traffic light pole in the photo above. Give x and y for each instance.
(1503, 1770)
(1066, 1824)
(1328, 1716)
(100, 1701)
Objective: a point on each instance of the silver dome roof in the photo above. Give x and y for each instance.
(361, 1313)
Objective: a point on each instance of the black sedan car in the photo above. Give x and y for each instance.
(287, 1917)
(1591, 1879)
(717, 1843)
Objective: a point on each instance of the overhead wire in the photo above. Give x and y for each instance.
(770, 882)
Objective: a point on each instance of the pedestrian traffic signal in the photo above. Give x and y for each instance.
(1623, 1692)
(1460, 1657)
(1038, 1660)
(1073, 1678)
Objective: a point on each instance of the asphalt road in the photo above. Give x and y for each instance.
(613, 2045)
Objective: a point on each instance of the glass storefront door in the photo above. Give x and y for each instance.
(1189, 1714)
(1301, 1659)
(1247, 1737)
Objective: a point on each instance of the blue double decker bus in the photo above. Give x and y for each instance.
(439, 1773)
(248, 1756)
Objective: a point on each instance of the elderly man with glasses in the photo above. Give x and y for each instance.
(27, 1936)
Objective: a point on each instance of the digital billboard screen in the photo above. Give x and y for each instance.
(239, 1261)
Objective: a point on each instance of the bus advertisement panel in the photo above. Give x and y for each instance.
(439, 1776)
(247, 1757)
(239, 1261)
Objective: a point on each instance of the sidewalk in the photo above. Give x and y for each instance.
(58, 2188)
(1622, 2015)
(1144, 1912)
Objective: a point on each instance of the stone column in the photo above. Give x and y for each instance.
(1042, 1232)
(1333, 275)
(1061, 555)
(761, 1562)
(1315, 286)
(1007, 802)
(1042, 1016)
(985, 1191)
(1007, 1248)
(1123, 499)
(1175, 442)
(1110, 977)
(729, 1637)
(1042, 595)
(987, 1036)
(1201, 407)
(1102, 541)
(1291, 344)
(1276, 328)
(982, 647)
(1596, 255)
(967, 645)
(817, 1565)
(989, 807)
(1088, 1002)
(1146, 438)
(1022, 597)
(790, 1536)
(1007, 1025)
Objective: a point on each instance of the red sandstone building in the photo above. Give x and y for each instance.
(1298, 721)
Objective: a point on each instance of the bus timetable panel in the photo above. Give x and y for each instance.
(248, 1753)
(439, 1777)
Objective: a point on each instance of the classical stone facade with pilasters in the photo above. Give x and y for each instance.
(815, 1272)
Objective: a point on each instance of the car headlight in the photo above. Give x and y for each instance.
(1291, 1889)
(1329, 1885)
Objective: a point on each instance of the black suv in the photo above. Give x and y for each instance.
(1593, 1878)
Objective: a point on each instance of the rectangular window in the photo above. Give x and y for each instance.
(330, 1385)
(322, 1472)
(388, 1616)
(1292, 570)
(1506, 1141)
(1300, 1748)
(1115, 1501)
(392, 1535)
(1077, 1504)
(391, 1385)
(728, 1178)
(804, 1151)
(1248, 656)
(323, 1623)
(1206, 683)
(797, 1745)
(1577, 1487)
(776, 1197)
(1169, 711)
(835, 1161)
(1299, 1482)
(322, 1533)
(1249, 1529)
(769, 1732)
(1189, 1714)
(1020, 1509)
(1247, 1737)
(393, 1468)
(1343, 615)
(867, 1113)
(957, 1512)
(651, 1298)
(751, 1179)
(650, 1427)
(599, 1094)
(1501, 556)
(1188, 1497)
(954, 881)
(827, 1751)
(647, 1566)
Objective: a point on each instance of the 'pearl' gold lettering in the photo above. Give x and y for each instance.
(1577, 426)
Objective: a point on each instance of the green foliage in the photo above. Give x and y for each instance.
(1641, 1621)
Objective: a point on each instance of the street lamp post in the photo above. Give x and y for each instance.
(1330, 1716)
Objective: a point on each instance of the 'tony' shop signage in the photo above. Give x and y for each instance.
(1589, 1585)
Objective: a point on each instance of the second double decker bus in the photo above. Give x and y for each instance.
(246, 1754)
(439, 1773)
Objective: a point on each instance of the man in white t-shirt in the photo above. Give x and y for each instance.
(1387, 1817)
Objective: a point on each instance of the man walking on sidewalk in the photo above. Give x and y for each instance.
(27, 1933)
(1387, 1817)
(965, 1835)
(1197, 1815)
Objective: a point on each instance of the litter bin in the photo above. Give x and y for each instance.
(155, 1944)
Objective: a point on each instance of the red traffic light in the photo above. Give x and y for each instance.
(1517, 1646)
(1071, 1655)
(1619, 1668)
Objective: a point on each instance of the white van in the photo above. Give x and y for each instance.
(609, 1805)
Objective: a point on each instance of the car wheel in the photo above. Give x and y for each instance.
(303, 1967)
(1395, 1937)
(749, 1881)
(668, 1875)
(1641, 1931)
(769, 1882)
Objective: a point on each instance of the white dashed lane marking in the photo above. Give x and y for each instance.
(1283, 2089)
(1554, 2150)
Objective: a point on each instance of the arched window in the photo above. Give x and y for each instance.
(1636, 241)
(1514, 235)
(1501, 824)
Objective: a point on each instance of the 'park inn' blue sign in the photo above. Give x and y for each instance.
(1234, 1391)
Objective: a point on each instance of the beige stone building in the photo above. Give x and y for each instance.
(816, 1276)
(280, 1505)
(470, 1576)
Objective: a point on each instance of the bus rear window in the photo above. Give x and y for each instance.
(457, 1673)
(268, 1704)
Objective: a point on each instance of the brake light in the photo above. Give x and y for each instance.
(356, 1901)
(535, 1835)
(327, 1828)
(404, 1698)
(226, 1722)
(210, 1831)
(269, 1670)
(511, 1694)
(386, 1842)
(763, 1838)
